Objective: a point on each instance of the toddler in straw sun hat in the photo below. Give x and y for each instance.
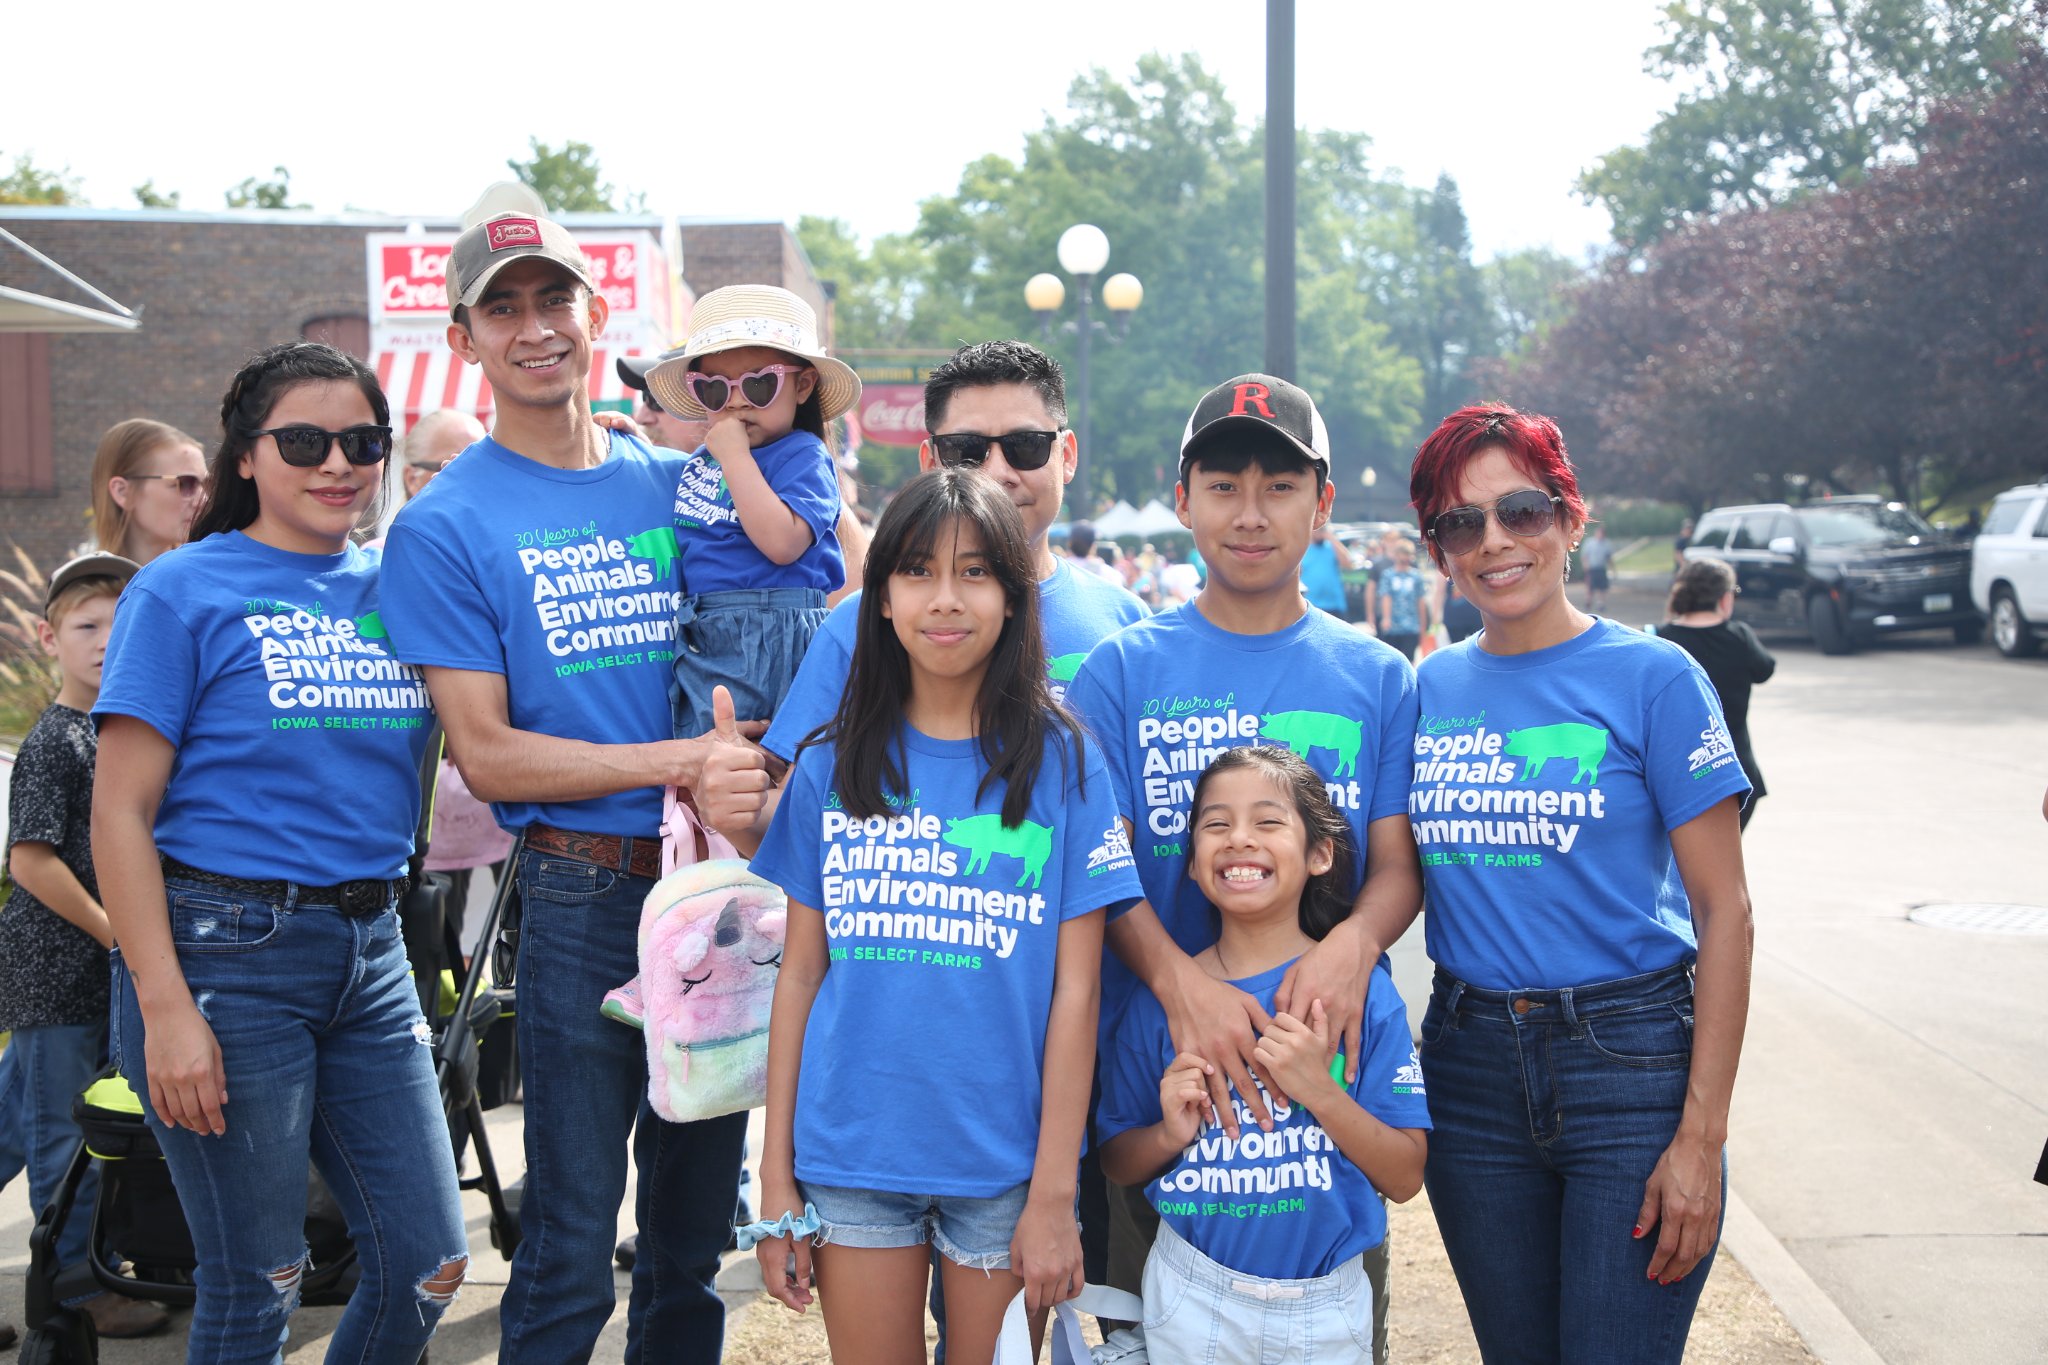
(756, 510)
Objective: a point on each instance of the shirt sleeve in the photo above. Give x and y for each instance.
(436, 612)
(1100, 871)
(809, 486)
(1400, 709)
(1688, 758)
(1390, 1086)
(1760, 661)
(788, 855)
(152, 666)
(1131, 1074)
(1096, 696)
(45, 772)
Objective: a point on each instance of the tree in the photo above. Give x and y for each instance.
(29, 183)
(263, 194)
(1784, 96)
(569, 180)
(147, 195)
(1527, 292)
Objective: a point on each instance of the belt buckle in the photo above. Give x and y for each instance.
(360, 900)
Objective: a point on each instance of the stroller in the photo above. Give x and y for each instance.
(136, 1216)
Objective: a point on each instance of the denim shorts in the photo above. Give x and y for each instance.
(1198, 1312)
(972, 1232)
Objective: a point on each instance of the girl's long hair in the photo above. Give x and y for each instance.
(231, 501)
(1014, 710)
(1325, 900)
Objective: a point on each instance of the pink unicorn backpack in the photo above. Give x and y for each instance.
(710, 944)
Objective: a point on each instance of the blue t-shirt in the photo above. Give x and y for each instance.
(298, 735)
(1322, 582)
(563, 581)
(1285, 1205)
(1076, 612)
(1170, 693)
(1401, 590)
(1545, 788)
(718, 556)
(925, 1049)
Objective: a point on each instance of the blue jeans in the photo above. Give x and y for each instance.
(586, 1095)
(1551, 1109)
(41, 1072)
(326, 1057)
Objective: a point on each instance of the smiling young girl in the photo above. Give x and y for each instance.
(256, 795)
(949, 844)
(1262, 1236)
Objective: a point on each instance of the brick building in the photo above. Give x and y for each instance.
(211, 289)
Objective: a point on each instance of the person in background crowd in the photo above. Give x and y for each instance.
(1597, 555)
(146, 482)
(1592, 981)
(1678, 544)
(429, 446)
(264, 1008)
(1403, 601)
(1081, 547)
(670, 430)
(1698, 622)
(1322, 572)
(562, 724)
(1378, 562)
(1455, 610)
(54, 933)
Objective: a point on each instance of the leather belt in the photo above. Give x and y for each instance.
(640, 857)
(357, 899)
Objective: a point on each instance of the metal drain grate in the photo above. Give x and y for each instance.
(1982, 918)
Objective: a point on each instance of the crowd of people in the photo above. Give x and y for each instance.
(1082, 974)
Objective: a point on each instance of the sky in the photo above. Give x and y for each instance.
(848, 111)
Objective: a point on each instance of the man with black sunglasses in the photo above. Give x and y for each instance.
(537, 588)
(1249, 661)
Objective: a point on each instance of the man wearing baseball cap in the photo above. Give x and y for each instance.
(1248, 661)
(537, 589)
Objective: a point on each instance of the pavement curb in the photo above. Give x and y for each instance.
(1824, 1328)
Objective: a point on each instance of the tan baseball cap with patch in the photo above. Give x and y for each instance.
(507, 223)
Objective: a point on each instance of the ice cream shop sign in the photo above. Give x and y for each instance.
(409, 275)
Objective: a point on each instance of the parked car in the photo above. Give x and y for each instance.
(1844, 570)
(2009, 570)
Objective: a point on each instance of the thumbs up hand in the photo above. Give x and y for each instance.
(734, 792)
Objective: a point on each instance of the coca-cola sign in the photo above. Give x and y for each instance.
(892, 414)
(409, 274)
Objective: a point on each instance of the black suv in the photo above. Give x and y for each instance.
(1845, 570)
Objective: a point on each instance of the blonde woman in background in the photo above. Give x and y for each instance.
(147, 483)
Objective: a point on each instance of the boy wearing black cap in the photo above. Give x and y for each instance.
(53, 933)
(1248, 661)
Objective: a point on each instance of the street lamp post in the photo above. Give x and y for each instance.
(1083, 252)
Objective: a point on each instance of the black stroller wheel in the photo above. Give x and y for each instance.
(66, 1338)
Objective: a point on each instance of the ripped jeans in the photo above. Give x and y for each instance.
(327, 1058)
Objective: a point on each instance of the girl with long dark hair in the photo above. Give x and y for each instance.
(949, 843)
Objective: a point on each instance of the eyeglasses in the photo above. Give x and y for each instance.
(1025, 450)
(1528, 513)
(647, 400)
(188, 484)
(431, 466)
(305, 447)
(759, 387)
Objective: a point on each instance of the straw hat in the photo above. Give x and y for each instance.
(751, 315)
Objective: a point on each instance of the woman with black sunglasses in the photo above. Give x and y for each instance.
(1575, 799)
(252, 816)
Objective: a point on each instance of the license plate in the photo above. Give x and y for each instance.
(1937, 602)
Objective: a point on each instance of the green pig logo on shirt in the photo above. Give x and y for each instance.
(657, 543)
(983, 836)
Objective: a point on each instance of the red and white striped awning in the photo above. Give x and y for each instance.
(426, 380)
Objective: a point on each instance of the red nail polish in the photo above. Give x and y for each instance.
(1639, 1230)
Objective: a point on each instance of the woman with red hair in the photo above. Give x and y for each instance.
(1575, 800)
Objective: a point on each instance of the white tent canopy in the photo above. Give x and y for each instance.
(1155, 518)
(24, 311)
(1120, 520)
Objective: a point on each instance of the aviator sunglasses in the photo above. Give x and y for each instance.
(305, 447)
(1025, 450)
(1528, 513)
(188, 484)
(759, 387)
